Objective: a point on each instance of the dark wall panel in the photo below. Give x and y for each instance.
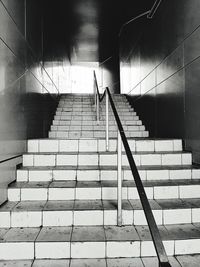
(27, 94)
(164, 67)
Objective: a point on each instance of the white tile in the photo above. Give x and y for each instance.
(48, 145)
(57, 218)
(52, 134)
(177, 216)
(14, 194)
(88, 175)
(127, 217)
(196, 174)
(5, 219)
(180, 174)
(17, 251)
(89, 145)
(150, 159)
(64, 175)
(88, 193)
(87, 160)
(133, 193)
(68, 146)
(195, 215)
(189, 191)
(66, 160)
(93, 217)
(157, 174)
(61, 193)
(171, 159)
(26, 219)
(88, 250)
(147, 249)
(145, 145)
(33, 146)
(108, 175)
(132, 145)
(162, 192)
(187, 158)
(123, 249)
(191, 246)
(33, 194)
(164, 145)
(22, 175)
(110, 217)
(40, 175)
(109, 193)
(178, 145)
(140, 219)
(52, 250)
(44, 160)
(106, 160)
(27, 160)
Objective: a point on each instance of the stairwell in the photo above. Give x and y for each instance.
(62, 209)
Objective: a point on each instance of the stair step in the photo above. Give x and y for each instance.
(76, 145)
(96, 212)
(93, 173)
(105, 159)
(94, 123)
(95, 242)
(72, 190)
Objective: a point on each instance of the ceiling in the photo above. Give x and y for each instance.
(87, 30)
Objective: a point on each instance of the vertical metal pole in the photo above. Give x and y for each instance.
(119, 178)
(98, 118)
(107, 123)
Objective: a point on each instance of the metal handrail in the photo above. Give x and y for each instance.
(155, 234)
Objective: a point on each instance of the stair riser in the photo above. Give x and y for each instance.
(95, 218)
(109, 249)
(94, 123)
(38, 175)
(47, 145)
(95, 128)
(35, 160)
(86, 134)
(104, 193)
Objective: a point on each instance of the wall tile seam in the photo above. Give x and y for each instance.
(28, 45)
(182, 43)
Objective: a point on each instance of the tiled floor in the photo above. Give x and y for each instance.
(179, 261)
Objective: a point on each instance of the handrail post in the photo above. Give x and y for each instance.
(119, 179)
(107, 122)
(97, 107)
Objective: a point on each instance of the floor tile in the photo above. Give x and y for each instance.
(124, 233)
(88, 233)
(65, 184)
(8, 206)
(59, 205)
(30, 206)
(18, 263)
(183, 231)
(88, 263)
(129, 262)
(189, 260)
(54, 234)
(88, 205)
(51, 263)
(144, 233)
(21, 234)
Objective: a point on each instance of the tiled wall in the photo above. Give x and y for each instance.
(160, 64)
(25, 85)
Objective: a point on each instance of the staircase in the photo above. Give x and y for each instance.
(62, 209)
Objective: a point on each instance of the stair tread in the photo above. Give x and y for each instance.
(98, 233)
(104, 183)
(132, 204)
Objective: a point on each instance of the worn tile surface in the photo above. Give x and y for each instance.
(54, 234)
(88, 233)
(51, 263)
(124, 233)
(21, 235)
(88, 263)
